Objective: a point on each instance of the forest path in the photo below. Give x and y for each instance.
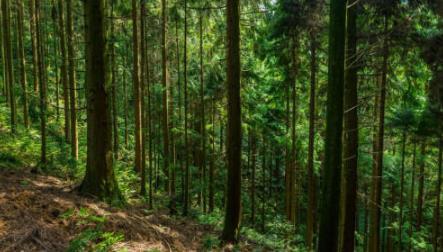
(41, 213)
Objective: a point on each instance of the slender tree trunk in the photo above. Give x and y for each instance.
(8, 60)
(350, 150)
(436, 237)
(293, 165)
(42, 82)
(377, 173)
(310, 224)
(253, 172)
(185, 70)
(64, 71)
(143, 78)
(136, 87)
(114, 87)
(165, 83)
(72, 79)
(22, 59)
(231, 227)
(402, 182)
(329, 217)
(412, 194)
(33, 28)
(125, 100)
(421, 185)
(202, 116)
(99, 166)
(212, 161)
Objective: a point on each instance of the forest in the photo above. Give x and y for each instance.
(223, 125)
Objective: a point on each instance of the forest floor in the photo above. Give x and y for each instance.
(43, 213)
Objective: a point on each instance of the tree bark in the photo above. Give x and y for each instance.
(421, 185)
(136, 87)
(72, 79)
(9, 64)
(328, 234)
(99, 179)
(233, 202)
(350, 150)
(310, 224)
(64, 71)
(377, 173)
(22, 60)
(165, 83)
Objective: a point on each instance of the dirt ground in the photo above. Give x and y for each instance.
(32, 209)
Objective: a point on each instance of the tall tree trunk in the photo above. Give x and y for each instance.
(421, 185)
(22, 59)
(293, 165)
(33, 28)
(202, 117)
(185, 70)
(114, 87)
(8, 60)
(328, 234)
(212, 161)
(402, 182)
(136, 87)
(42, 82)
(375, 209)
(142, 90)
(436, 237)
(350, 150)
(99, 179)
(411, 195)
(72, 79)
(165, 83)
(310, 224)
(64, 71)
(253, 172)
(233, 202)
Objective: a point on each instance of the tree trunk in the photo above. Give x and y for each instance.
(411, 195)
(350, 150)
(165, 83)
(233, 202)
(185, 70)
(114, 87)
(310, 224)
(22, 59)
(99, 179)
(328, 234)
(136, 88)
(33, 28)
(402, 182)
(64, 71)
(212, 161)
(42, 82)
(8, 60)
(253, 173)
(377, 173)
(72, 79)
(202, 117)
(436, 238)
(421, 185)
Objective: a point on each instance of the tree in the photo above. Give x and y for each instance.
(350, 148)
(21, 52)
(231, 227)
(8, 60)
(136, 87)
(72, 80)
(99, 179)
(329, 215)
(64, 71)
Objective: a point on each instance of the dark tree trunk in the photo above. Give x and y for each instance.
(22, 60)
(72, 79)
(377, 173)
(64, 71)
(136, 88)
(421, 185)
(99, 179)
(329, 217)
(310, 224)
(233, 202)
(350, 150)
